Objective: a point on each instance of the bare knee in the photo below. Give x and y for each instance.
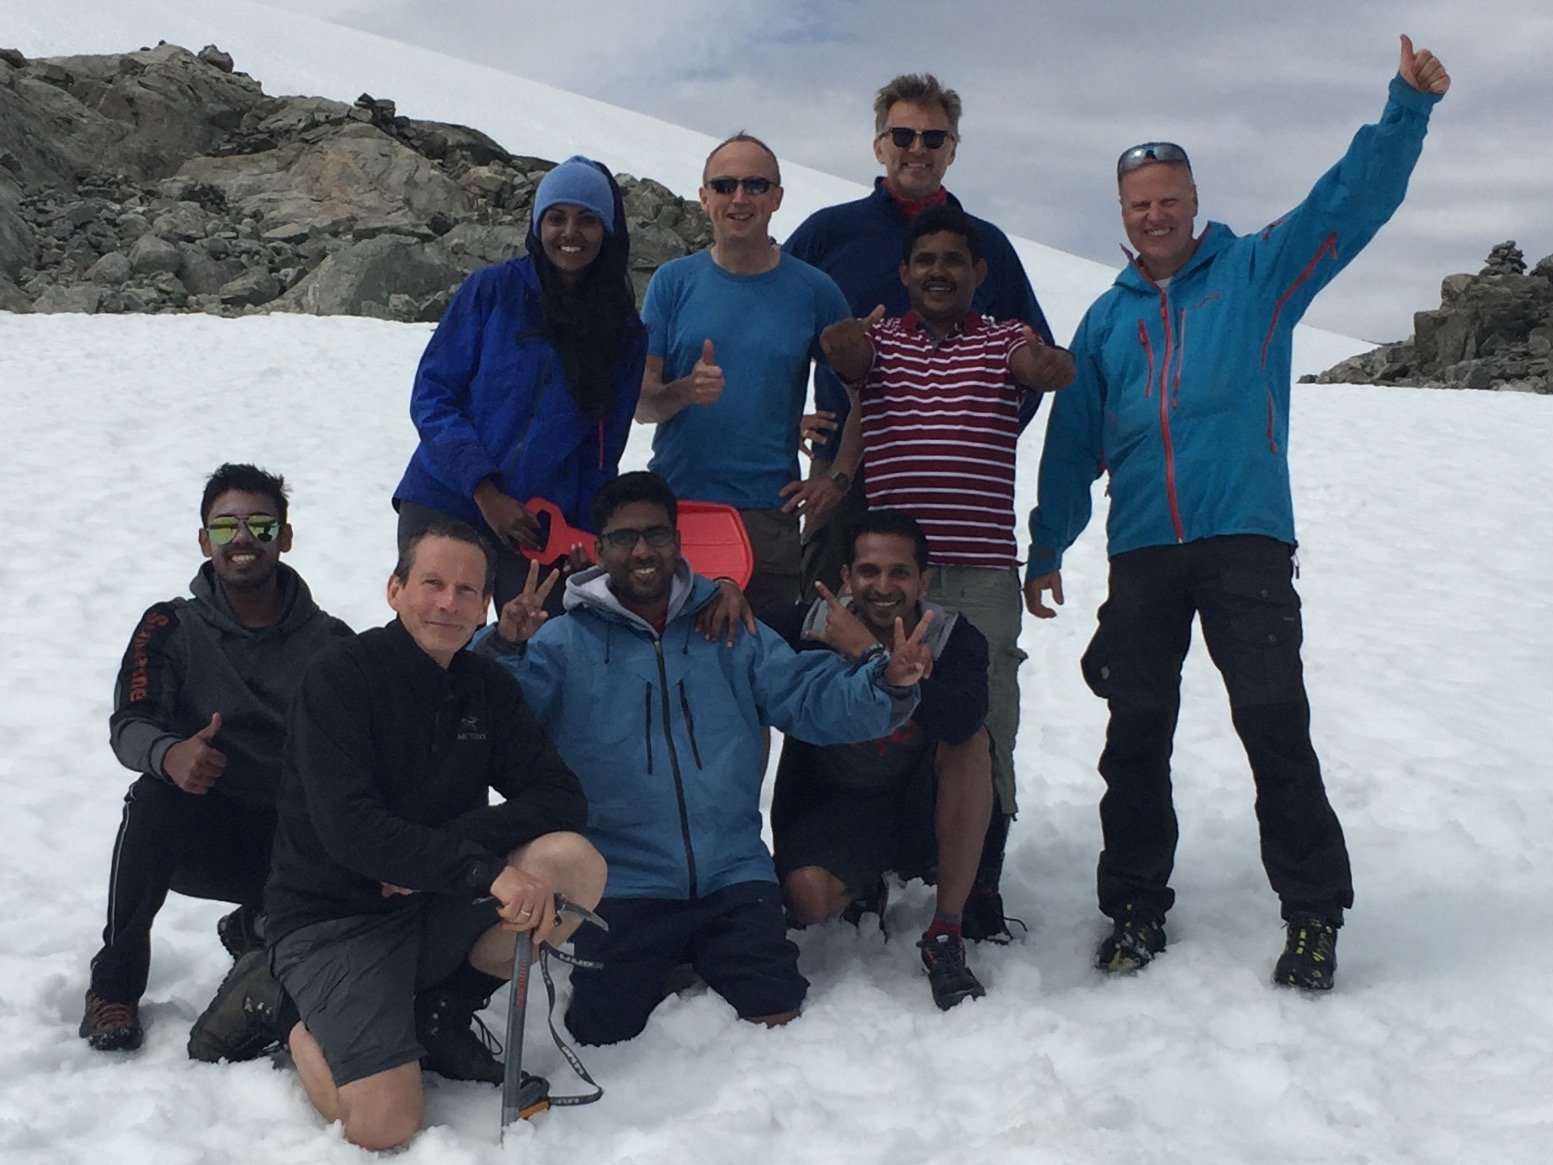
(568, 862)
(814, 894)
(383, 1111)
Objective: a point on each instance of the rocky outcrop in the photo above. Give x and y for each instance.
(1491, 330)
(162, 180)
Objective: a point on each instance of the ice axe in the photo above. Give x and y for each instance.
(523, 1096)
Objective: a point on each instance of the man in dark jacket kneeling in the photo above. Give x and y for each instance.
(394, 879)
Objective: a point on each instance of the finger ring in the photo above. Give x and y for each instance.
(525, 912)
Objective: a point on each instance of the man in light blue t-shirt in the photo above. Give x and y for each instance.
(731, 333)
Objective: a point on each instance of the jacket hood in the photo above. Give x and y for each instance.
(296, 602)
(589, 590)
(1214, 238)
(815, 622)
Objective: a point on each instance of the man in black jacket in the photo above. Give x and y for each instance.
(198, 711)
(916, 801)
(394, 880)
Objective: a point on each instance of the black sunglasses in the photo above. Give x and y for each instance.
(729, 185)
(625, 539)
(932, 139)
(263, 527)
(1150, 152)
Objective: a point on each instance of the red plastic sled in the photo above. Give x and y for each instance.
(711, 536)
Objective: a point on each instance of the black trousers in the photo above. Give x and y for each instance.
(1241, 588)
(206, 846)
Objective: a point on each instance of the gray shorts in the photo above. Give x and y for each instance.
(354, 980)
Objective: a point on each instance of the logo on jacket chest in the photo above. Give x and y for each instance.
(469, 728)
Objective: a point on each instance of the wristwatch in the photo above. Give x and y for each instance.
(842, 479)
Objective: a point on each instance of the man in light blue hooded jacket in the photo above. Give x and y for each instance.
(662, 726)
(1182, 396)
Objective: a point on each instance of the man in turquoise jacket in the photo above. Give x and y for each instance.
(1183, 397)
(663, 728)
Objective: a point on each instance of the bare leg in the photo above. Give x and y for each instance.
(380, 1111)
(776, 1020)
(569, 863)
(960, 817)
(814, 894)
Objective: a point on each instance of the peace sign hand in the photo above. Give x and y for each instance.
(525, 612)
(844, 631)
(911, 660)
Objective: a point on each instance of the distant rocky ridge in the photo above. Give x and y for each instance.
(1491, 330)
(161, 180)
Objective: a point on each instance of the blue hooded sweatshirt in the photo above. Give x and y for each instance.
(490, 400)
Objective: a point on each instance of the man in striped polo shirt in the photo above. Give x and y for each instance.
(939, 391)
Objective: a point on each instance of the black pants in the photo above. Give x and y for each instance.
(1241, 588)
(206, 846)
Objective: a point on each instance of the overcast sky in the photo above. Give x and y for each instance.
(1264, 97)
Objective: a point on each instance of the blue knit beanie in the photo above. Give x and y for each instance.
(576, 182)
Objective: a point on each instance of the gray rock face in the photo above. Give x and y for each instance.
(220, 198)
(1491, 330)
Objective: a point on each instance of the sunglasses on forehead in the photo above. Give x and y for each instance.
(1148, 153)
(263, 527)
(902, 137)
(729, 185)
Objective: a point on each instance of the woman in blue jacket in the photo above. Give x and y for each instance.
(528, 386)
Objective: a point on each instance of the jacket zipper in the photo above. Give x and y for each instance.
(647, 721)
(679, 785)
(1164, 411)
(690, 724)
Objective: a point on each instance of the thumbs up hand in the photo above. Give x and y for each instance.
(706, 378)
(194, 764)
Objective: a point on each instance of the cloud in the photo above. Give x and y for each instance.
(1264, 100)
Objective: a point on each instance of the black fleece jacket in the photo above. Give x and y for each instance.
(388, 763)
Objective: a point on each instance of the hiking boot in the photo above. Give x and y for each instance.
(983, 920)
(242, 1021)
(874, 902)
(110, 1026)
(1309, 958)
(1133, 942)
(445, 1024)
(239, 931)
(948, 976)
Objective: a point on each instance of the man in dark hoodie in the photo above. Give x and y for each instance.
(199, 711)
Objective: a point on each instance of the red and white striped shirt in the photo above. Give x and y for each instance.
(940, 422)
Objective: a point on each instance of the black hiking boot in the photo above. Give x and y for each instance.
(239, 931)
(242, 1021)
(983, 920)
(874, 901)
(1309, 959)
(445, 1024)
(110, 1026)
(948, 976)
(1133, 942)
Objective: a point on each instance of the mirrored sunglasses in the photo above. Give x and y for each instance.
(625, 539)
(263, 527)
(729, 185)
(932, 139)
(1150, 152)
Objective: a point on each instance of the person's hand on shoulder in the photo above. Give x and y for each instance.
(724, 614)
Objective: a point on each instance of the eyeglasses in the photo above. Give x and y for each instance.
(1150, 152)
(729, 185)
(902, 137)
(263, 527)
(625, 539)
